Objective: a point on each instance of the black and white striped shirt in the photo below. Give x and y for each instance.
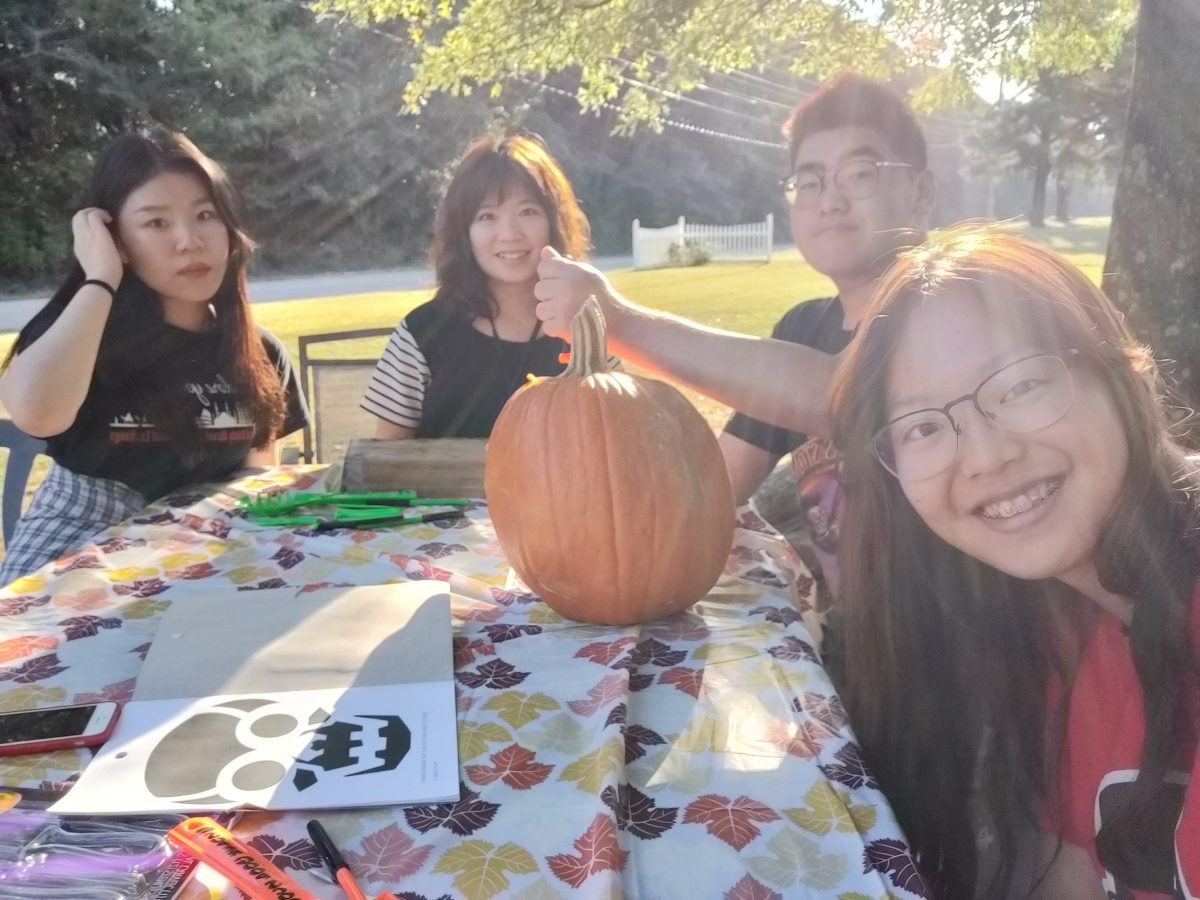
(445, 378)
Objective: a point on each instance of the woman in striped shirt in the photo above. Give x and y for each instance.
(452, 362)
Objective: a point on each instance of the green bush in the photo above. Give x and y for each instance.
(688, 252)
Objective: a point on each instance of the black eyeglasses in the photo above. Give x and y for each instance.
(1026, 395)
(856, 180)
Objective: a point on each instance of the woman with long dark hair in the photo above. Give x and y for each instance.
(1019, 606)
(145, 370)
(453, 361)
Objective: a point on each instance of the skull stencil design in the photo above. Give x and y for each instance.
(240, 751)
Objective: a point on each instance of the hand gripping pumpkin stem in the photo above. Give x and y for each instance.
(589, 356)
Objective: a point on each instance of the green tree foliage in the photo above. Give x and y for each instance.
(305, 114)
(62, 83)
(658, 177)
(673, 45)
(616, 47)
(1069, 125)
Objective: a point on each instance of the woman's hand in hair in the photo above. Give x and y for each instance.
(95, 247)
(46, 384)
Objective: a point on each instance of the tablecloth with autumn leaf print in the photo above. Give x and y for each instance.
(706, 755)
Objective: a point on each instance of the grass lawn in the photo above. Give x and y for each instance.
(744, 297)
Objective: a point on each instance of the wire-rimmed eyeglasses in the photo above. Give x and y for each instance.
(1032, 393)
(855, 180)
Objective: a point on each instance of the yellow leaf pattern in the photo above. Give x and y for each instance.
(539, 890)
(474, 739)
(27, 696)
(561, 734)
(689, 774)
(354, 555)
(599, 768)
(827, 813)
(19, 771)
(519, 709)
(541, 614)
(706, 734)
(28, 584)
(482, 868)
(793, 857)
(129, 573)
(180, 560)
(144, 608)
(248, 574)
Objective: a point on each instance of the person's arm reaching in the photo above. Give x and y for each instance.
(46, 384)
(778, 382)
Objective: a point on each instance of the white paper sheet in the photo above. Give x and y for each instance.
(335, 698)
(367, 746)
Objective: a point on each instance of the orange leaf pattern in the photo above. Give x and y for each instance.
(25, 645)
(734, 822)
(595, 851)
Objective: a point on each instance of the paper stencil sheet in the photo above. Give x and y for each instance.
(335, 698)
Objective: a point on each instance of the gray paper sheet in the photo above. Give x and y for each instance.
(241, 642)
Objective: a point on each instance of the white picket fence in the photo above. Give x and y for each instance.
(652, 246)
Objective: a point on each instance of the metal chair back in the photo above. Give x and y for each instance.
(333, 387)
(21, 452)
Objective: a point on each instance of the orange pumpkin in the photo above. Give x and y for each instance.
(608, 492)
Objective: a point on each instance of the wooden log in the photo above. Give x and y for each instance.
(433, 467)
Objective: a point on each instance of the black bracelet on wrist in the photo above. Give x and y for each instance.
(104, 284)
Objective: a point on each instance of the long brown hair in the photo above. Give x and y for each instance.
(947, 659)
(495, 165)
(129, 348)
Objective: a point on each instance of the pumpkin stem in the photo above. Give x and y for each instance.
(589, 355)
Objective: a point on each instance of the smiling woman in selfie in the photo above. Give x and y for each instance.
(145, 372)
(1021, 605)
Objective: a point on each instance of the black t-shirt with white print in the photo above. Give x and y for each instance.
(110, 439)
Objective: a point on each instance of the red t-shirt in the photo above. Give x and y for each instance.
(1105, 729)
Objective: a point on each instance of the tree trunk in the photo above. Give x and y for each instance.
(1153, 265)
(1037, 206)
(1062, 199)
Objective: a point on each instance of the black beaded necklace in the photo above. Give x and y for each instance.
(513, 375)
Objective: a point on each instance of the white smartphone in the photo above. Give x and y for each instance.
(56, 728)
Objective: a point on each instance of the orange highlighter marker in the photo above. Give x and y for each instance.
(220, 849)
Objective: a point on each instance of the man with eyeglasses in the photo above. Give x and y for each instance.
(859, 192)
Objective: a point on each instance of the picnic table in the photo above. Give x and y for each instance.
(706, 755)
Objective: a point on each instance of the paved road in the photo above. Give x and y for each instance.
(15, 313)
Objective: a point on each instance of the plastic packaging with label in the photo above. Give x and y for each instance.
(44, 856)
